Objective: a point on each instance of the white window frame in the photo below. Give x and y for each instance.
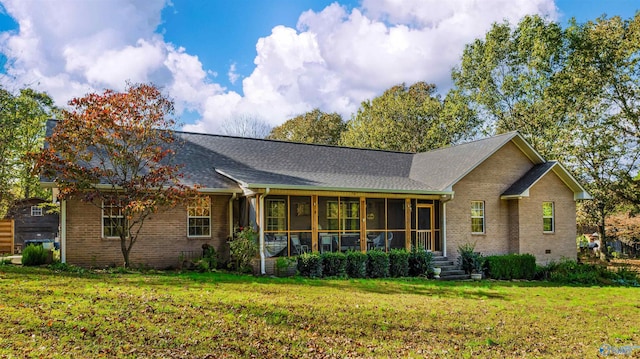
(552, 217)
(36, 211)
(484, 222)
(196, 210)
(120, 215)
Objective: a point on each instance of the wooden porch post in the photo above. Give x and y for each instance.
(407, 223)
(314, 223)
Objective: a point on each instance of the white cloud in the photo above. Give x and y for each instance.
(69, 48)
(336, 58)
(333, 60)
(233, 75)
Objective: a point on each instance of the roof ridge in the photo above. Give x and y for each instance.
(510, 134)
(289, 142)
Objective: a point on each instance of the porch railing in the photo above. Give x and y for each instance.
(424, 239)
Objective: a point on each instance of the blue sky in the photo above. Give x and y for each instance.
(222, 61)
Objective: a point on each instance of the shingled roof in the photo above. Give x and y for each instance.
(227, 163)
(523, 185)
(257, 163)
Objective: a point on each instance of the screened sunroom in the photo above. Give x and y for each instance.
(296, 224)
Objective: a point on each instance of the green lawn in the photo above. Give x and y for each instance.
(46, 314)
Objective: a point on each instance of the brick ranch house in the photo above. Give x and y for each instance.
(498, 193)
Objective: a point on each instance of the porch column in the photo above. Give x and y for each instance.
(407, 223)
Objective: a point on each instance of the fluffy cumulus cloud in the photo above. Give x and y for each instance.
(69, 48)
(334, 59)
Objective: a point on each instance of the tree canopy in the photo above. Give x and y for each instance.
(573, 93)
(115, 150)
(312, 127)
(23, 117)
(409, 118)
(508, 80)
(245, 126)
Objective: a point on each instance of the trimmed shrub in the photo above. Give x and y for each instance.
(398, 263)
(356, 264)
(420, 263)
(334, 264)
(377, 264)
(511, 266)
(310, 265)
(35, 255)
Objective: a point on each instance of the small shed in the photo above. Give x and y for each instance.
(32, 221)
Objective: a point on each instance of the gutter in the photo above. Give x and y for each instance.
(444, 199)
(233, 197)
(63, 231)
(348, 189)
(104, 186)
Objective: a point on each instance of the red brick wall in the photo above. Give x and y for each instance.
(163, 236)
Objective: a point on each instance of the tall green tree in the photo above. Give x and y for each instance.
(601, 82)
(312, 127)
(507, 79)
(572, 93)
(23, 118)
(409, 118)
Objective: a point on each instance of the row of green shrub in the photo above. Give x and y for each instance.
(523, 266)
(572, 272)
(510, 266)
(373, 264)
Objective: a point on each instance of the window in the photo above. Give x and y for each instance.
(332, 215)
(350, 213)
(276, 214)
(113, 221)
(477, 217)
(36, 211)
(547, 217)
(199, 218)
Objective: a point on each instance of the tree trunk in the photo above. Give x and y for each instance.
(125, 251)
(603, 239)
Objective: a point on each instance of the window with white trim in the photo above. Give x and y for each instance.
(36, 211)
(477, 217)
(199, 217)
(548, 221)
(113, 221)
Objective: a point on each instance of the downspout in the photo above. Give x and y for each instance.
(444, 229)
(262, 220)
(233, 197)
(444, 224)
(63, 231)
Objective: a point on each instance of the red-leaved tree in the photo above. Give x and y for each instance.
(115, 150)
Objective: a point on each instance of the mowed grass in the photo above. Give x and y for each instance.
(45, 314)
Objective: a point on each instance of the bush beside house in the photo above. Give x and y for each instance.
(373, 264)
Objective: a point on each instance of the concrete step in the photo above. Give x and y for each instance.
(452, 272)
(447, 268)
